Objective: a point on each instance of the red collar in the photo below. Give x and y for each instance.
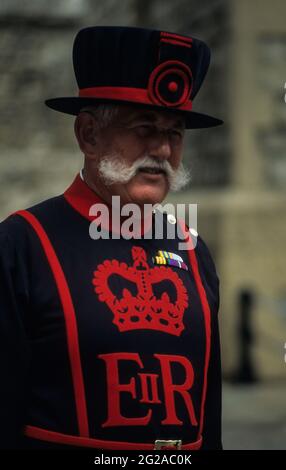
(81, 197)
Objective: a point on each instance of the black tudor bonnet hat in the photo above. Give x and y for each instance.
(149, 68)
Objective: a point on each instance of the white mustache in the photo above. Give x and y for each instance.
(113, 169)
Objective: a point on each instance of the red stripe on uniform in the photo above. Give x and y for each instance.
(58, 438)
(207, 318)
(70, 321)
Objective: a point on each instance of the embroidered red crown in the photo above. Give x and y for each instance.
(145, 310)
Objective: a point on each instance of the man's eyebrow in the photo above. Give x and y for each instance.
(150, 117)
(144, 117)
(180, 123)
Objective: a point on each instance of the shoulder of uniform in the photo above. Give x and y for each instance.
(205, 259)
(46, 205)
(13, 232)
(15, 228)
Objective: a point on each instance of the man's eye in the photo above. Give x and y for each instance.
(147, 130)
(176, 133)
(144, 130)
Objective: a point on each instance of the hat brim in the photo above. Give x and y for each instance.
(73, 105)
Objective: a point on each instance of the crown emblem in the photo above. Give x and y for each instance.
(144, 310)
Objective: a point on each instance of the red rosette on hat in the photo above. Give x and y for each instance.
(170, 84)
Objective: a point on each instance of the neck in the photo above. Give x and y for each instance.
(98, 189)
(106, 196)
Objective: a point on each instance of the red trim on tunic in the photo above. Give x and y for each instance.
(70, 322)
(81, 197)
(207, 318)
(58, 438)
(136, 95)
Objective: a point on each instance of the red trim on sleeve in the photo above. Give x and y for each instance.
(58, 438)
(207, 318)
(136, 95)
(70, 321)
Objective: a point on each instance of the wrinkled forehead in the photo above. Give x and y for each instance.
(130, 114)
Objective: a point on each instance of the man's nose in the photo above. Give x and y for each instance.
(161, 146)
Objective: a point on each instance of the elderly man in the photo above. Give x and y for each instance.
(102, 345)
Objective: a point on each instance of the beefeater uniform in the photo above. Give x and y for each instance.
(110, 343)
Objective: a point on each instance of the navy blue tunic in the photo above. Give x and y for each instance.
(100, 345)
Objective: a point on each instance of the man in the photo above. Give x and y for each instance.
(103, 347)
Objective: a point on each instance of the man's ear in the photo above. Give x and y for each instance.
(86, 133)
